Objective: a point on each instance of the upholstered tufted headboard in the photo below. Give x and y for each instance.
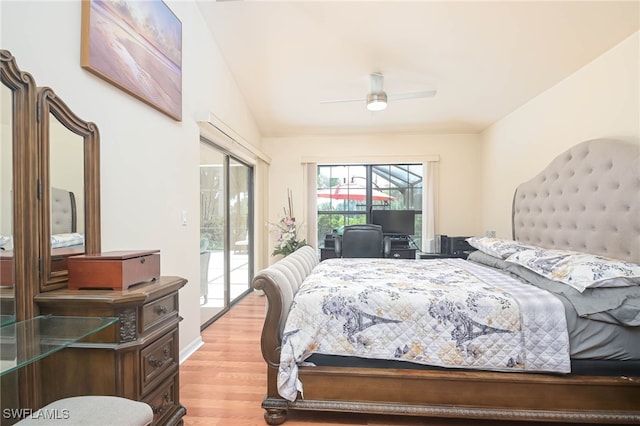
(587, 199)
(63, 211)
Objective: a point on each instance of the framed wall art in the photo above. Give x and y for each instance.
(136, 46)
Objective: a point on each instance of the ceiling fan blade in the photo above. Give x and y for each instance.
(412, 95)
(376, 81)
(335, 101)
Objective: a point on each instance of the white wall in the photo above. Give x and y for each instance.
(459, 169)
(149, 162)
(601, 100)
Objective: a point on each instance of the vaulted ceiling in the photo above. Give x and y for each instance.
(484, 58)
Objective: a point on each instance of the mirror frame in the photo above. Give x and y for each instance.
(50, 104)
(26, 239)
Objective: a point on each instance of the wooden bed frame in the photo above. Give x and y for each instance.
(606, 169)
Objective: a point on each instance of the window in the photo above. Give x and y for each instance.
(347, 195)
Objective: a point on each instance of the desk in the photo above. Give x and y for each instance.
(442, 256)
(24, 342)
(396, 253)
(327, 253)
(402, 253)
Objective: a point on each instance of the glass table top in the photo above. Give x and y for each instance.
(24, 342)
(6, 319)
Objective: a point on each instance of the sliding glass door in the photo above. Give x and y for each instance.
(226, 215)
(239, 204)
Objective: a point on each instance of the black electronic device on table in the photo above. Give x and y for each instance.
(329, 240)
(457, 246)
(395, 222)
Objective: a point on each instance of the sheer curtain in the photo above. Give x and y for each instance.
(429, 176)
(310, 207)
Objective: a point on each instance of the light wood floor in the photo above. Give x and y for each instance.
(224, 382)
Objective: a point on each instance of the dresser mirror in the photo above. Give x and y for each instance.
(46, 150)
(70, 217)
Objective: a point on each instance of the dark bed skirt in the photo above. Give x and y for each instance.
(579, 367)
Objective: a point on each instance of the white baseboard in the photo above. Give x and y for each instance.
(190, 349)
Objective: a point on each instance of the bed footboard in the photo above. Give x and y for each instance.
(466, 395)
(280, 282)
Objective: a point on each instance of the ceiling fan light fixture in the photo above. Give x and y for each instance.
(376, 101)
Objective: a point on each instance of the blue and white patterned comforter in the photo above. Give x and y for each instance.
(447, 313)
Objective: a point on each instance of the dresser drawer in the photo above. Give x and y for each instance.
(159, 359)
(154, 313)
(164, 400)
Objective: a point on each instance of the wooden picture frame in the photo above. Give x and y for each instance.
(136, 46)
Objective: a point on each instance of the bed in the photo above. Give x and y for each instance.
(584, 205)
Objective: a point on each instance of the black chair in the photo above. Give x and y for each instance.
(365, 240)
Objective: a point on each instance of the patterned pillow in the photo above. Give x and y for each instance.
(497, 247)
(578, 270)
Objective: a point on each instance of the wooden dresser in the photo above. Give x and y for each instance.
(136, 358)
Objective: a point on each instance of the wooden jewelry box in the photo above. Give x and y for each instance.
(6, 270)
(116, 270)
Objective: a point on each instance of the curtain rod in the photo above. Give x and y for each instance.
(214, 121)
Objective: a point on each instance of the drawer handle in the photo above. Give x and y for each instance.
(166, 403)
(142, 260)
(157, 363)
(161, 309)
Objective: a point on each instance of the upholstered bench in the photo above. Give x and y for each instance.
(91, 411)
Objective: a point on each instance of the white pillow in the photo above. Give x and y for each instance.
(67, 240)
(6, 243)
(497, 247)
(578, 270)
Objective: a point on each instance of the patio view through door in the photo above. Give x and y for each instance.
(226, 215)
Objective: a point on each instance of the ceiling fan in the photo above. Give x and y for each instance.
(377, 98)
